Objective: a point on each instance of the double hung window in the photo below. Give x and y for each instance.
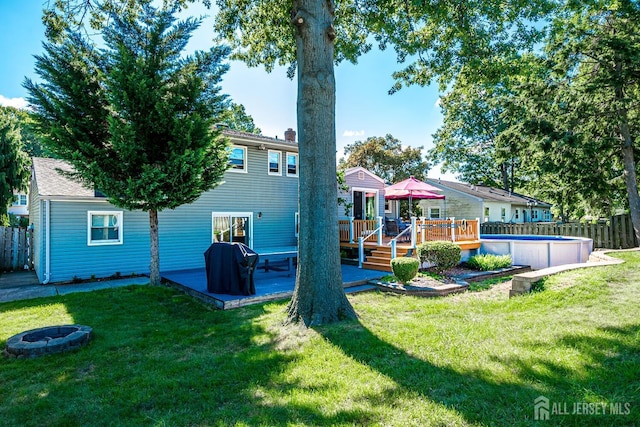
(104, 228)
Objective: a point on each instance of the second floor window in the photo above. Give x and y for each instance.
(238, 159)
(274, 163)
(292, 164)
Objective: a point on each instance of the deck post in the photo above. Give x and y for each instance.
(453, 229)
(379, 231)
(351, 229)
(478, 235)
(422, 229)
(360, 251)
(413, 231)
(393, 248)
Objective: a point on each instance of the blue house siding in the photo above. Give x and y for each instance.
(184, 233)
(70, 255)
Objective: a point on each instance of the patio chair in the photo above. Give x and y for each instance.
(391, 228)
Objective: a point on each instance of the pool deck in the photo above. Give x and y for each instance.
(271, 285)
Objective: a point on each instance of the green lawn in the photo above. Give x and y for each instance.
(161, 358)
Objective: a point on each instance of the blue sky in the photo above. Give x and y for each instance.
(363, 106)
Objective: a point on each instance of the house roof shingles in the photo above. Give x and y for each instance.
(50, 182)
(488, 194)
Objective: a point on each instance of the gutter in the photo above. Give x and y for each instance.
(47, 246)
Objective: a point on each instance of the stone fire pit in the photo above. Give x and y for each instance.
(48, 340)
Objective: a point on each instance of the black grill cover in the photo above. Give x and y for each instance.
(230, 268)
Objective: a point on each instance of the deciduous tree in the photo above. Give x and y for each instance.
(472, 141)
(587, 102)
(385, 157)
(14, 163)
(236, 118)
(309, 36)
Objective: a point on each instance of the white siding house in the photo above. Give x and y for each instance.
(466, 201)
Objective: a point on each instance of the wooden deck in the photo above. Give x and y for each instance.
(271, 285)
(377, 247)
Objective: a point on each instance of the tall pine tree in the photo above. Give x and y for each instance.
(135, 118)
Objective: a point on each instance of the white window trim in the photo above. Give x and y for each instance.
(279, 153)
(365, 191)
(19, 197)
(248, 215)
(120, 241)
(244, 156)
(431, 212)
(286, 161)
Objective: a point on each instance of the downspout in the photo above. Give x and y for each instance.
(47, 247)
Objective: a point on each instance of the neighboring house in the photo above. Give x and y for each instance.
(366, 194)
(465, 201)
(78, 234)
(19, 207)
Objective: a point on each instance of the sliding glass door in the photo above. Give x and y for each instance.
(232, 227)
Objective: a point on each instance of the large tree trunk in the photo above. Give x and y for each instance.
(504, 172)
(630, 178)
(154, 268)
(628, 160)
(318, 297)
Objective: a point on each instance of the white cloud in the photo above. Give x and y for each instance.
(13, 102)
(438, 102)
(353, 133)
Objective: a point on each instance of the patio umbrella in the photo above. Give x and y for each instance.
(410, 189)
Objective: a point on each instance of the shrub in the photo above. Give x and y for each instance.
(404, 268)
(487, 262)
(441, 255)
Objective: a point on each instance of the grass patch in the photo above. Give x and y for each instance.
(161, 358)
(488, 284)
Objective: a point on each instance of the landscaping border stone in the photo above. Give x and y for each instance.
(521, 283)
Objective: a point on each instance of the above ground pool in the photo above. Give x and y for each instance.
(537, 251)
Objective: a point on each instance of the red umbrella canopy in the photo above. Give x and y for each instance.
(411, 188)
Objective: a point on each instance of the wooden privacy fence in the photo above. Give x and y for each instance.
(616, 233)
(15, 248)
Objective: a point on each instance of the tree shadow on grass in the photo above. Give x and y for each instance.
(160, 358)
(479, 398)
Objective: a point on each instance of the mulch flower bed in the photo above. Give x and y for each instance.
(454, 280)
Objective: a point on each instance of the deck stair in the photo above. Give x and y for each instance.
(380, 258)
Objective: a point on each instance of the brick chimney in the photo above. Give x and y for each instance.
(290, 135)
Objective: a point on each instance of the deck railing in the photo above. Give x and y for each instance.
(422, 230)
(351, 229)
(454, 230)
